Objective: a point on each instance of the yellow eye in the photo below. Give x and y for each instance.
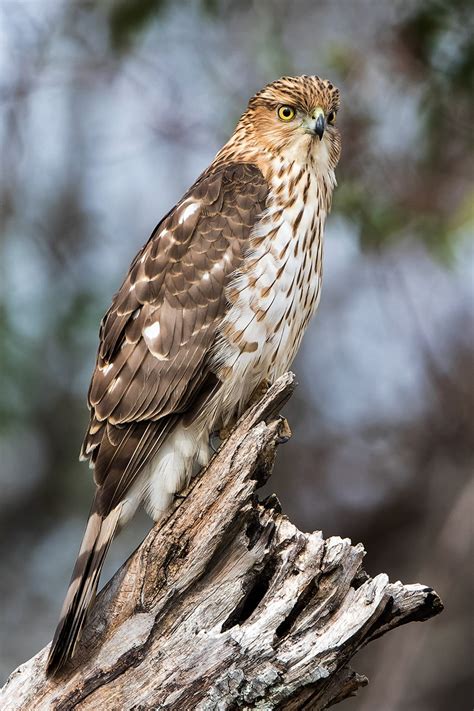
(286, 113)
(331, 118)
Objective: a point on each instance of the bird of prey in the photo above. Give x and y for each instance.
(214, 304)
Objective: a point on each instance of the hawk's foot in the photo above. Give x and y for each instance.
(259, 392)
(219, 436)
(225, 431)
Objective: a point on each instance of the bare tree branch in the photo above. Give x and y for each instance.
(226, 604)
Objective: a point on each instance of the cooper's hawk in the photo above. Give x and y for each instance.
(216, 302)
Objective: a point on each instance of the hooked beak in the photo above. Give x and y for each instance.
(317, 124)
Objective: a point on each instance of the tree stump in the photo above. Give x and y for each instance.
(226, 604)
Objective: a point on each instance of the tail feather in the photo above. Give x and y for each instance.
(82, 588)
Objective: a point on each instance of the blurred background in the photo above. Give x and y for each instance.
(109, 111)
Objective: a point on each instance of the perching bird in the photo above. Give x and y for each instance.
(215, 303)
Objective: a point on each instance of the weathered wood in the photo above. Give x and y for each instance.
(226, 604)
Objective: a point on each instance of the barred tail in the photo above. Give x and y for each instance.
(82, 588)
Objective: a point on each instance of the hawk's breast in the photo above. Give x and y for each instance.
(277, 289)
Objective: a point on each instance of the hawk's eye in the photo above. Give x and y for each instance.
(286, 113)
(331, 118)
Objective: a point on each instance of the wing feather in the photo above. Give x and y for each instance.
(156, 338)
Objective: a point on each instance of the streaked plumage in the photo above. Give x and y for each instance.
(216, 302)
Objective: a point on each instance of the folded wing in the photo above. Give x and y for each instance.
(155, 340)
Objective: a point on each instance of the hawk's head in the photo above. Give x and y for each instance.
(296, 117)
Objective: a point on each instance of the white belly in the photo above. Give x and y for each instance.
(273, 296)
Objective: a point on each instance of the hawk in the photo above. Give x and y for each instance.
(214, 304)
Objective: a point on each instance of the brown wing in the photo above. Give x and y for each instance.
(152, 364)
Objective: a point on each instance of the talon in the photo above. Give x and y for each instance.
(214, 442)
(284, 431)
(259, 392)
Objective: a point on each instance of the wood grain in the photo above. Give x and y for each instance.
(227, 605)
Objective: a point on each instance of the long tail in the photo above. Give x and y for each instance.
(83, 586)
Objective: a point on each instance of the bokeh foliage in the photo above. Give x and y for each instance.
(433, 45)
(404, 203)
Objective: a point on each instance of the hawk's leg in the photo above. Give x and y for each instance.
(255, 397)
(258, 393)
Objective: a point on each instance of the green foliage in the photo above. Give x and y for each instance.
(380, 221)
(436, 41)
(127, 19)
(440, 37)
(425, 32)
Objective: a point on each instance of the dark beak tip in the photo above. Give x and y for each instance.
(320, 126)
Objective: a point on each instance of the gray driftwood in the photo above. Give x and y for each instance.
(227, 605)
